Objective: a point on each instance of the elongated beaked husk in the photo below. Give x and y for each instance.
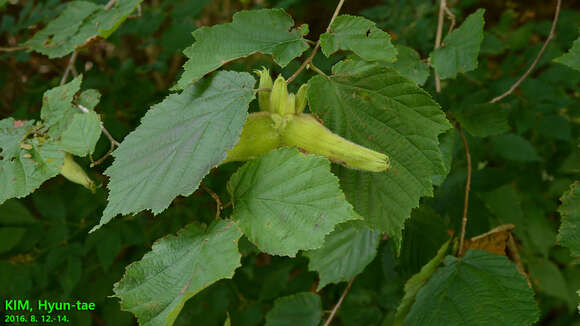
(75, 173)
(259, 136)
(305, 132)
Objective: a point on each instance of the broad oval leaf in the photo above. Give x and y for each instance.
(268, 31)
(156, 287)
(360, 36)
(569, 234)
(178, 142)
(459, 49)
(286, 201)
(25, 163)
(78, 24)
(304, 309)
(479, 289)
(345, 253)
(378, 108)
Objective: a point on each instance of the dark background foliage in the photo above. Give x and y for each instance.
(518, 177)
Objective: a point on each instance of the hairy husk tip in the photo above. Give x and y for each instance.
(75, 173)
(305, 132)
(279, 96)
(263, 95)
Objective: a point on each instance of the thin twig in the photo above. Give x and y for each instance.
(12, 49)
(451, 17)
(102, 159)
(315, 69)
(110, 4)
(467, 188)
(337, 306)
(138, 15)
(215, 197)
(112, 140)
(317, 46)
(71, 63)
(438, 36)
(527, 73)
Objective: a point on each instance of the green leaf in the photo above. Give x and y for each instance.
(267, 31)
(58, 110)
(89, 98)
(569, 234)
(515, 148)
(345, 253)
(13, 212)
(548, 279)
(286, 201)
(384, 111)
(10, 236)
(23, 169)
(459, 50)
(423, 235)
(82, 134)
(304, 309)
(79, 23)
(409, 64)
(155, 288)
(572, 58)
(479, 289)
(360, 36)
(178, 142)
(484, 120)
(416, 282)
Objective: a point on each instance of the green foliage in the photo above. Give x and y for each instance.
(177, 143)
(264, 31)
(416, 282)
(488, 288)
(460, 48)
(80, 22)
(299, 309)
(572, 57)
(379, 108)
(345, 253)
(570, 212)
(360, 36)
(286, 201)
(373, 189)
(156, 288)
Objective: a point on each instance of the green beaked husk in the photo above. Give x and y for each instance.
(75, 173)
(264, 132)
(305, 132)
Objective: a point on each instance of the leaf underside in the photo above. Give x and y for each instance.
(156, 287)
(178, 142)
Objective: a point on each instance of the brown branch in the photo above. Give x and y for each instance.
(467, 188)
(215, 197)
(339, 303)
(438, 36)
(451, 17)
(69, 67)
(527, 73)
(12, 49)
(317, 46)
(110, 4)
(107, 133)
